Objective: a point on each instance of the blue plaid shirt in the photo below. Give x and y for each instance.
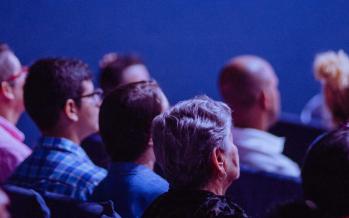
(60, 166)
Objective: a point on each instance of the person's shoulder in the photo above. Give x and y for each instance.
(221, 206)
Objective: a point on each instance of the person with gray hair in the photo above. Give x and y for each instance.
(194, 148)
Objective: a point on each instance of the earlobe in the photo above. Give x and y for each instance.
(217, 160)
(71, 110)
(7, 90)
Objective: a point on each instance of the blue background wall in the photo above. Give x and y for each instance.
(184, 43)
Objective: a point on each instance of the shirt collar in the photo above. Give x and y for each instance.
(255, 139)
(63, 144)
(11, 129)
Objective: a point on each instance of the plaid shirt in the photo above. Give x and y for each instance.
(58, 165)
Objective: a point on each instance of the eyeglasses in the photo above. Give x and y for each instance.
(97, 95)
(16, 75)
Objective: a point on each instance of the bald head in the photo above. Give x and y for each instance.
(248, 83)
(242, 79)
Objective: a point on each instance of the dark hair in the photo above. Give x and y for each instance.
(50, 83)
(111, 69)
(125, 118)
(325, 173)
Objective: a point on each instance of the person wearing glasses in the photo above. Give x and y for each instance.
(12, 149)
(115, 70)
(60, 98)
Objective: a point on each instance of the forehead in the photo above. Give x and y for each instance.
(135, 73)
(87, 87)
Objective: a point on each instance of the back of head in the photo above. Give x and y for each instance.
(325, 173)
(185, 137)
(332, 69)
(50, 83)
(126, 116)
(116, 69)
(242, 81)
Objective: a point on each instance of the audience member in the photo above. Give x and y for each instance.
(194, 147)
(125, 126)
(316, 112)
(12, 77)
(60, 98)
(115, 70)
(325, 176)
(250, 86)
(332, 69)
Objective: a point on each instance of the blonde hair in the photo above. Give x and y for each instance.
(332, 69)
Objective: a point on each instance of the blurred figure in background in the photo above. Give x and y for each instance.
(125, 126)
(194, 147)
(249, 85)
(12, 78)
(115, 70)
(332, 70)
(60, 98)
(325, 180)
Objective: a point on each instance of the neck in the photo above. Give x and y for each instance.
(10, 115)
(63, 132)
(253, 119)
(216, 187)
(147, 158)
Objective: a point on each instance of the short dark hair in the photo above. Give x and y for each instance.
(325, 172)
(126, 116)
(50, 83)
(111, 70)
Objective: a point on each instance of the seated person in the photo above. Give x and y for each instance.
(12, 77)
(125, 126)
(249, 85)
(194, 147)
(60, 98)
(115, 70)
(325, 176)
(332, 69)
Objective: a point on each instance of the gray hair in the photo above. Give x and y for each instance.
(7, 67)
(185, 136)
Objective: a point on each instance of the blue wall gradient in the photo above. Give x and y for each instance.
(184, 43)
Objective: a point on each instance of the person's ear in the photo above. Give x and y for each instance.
(264, 100)
(7, 90)
(71, 110)
(218, 161)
